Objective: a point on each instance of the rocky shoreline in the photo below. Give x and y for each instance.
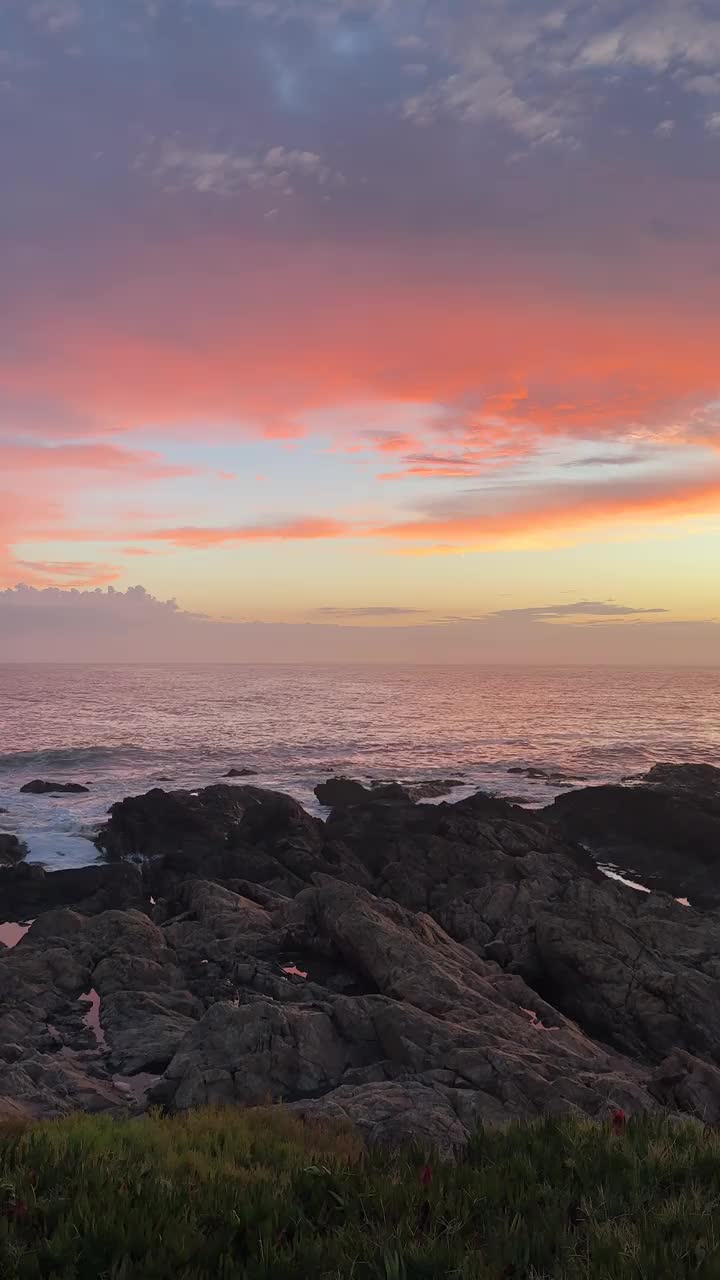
(415, 969)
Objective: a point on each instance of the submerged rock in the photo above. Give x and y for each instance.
(241, 773)
(40, 788)
(431, 788)
(339, 793)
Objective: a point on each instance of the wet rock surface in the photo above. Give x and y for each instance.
(665, 828)
(415, 969)
(12, 850)
(38, 787)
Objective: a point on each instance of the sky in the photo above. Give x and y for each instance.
(360, 328)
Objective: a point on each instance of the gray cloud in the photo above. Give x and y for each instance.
(608, 460)
(578, 609)
(56, 15)
(223, 172)
(330, 612)
(82, 626)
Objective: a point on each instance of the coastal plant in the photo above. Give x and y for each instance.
(258, 1194)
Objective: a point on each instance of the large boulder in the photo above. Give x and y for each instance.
(685, 1083)
(665, 830)
(396, 1113)
(144, 1029)
(700, 781)
(43, 1086)
(226, 833)
(160, 822)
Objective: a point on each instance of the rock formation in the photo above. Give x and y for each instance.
(415, 969)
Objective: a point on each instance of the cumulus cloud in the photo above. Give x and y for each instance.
(132, 625)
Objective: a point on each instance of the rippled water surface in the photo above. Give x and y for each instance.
(121, 729)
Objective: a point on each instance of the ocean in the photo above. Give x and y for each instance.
(123, 729)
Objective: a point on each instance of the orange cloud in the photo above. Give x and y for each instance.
(241, 339)
(542, 517)
(232, 340)
(472, 520)
(305, 528)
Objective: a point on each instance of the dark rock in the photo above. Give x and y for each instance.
(339, 793)
(226, 833)
(167, 821)
(392, 1113)
(40, 788)
(416, 969)
(145, 1029)
(553, 778)
(241, 773)
(12, 850)
(432, 788)
(443, 1023)
(665, 830)
(699, 781)
(27, 889)
(170, 822)
(41, 1085)
(685, 1083)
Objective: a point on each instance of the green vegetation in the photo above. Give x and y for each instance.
(219, 1194)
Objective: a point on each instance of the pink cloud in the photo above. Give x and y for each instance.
(81, 574)
(305, 528)
(527, 351)
(140, 464)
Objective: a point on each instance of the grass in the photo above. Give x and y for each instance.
(214, 1195)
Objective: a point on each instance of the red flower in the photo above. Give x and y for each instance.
(619, 1121)
(426, 1175)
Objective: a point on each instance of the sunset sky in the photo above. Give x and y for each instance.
(384, 323)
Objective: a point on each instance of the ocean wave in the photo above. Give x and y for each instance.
(64, 758)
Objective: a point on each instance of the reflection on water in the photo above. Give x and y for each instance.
(92, 1017)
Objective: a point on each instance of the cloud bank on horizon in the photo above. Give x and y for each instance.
(51, 624)
(310, 303)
